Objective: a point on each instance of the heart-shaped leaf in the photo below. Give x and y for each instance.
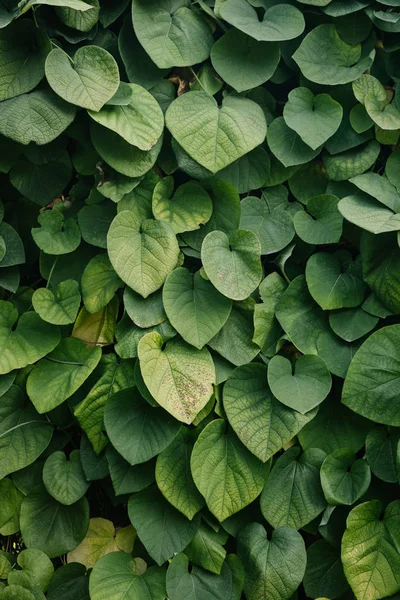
(89, 80)
(322, 223)
(369, 214)
(56, 377)
(232, 263)
(287, 145)
(212, 136)
(99, 541)
(172, 34)
(314, 118)
(179, 377)
(274, 567)
(324, 577)
(302, 386)
(9, 510)
(64, 478)
(194, 307)
(61, 307)
(217, 457)
(381, 448)
(56, 235)
(280, 22)
(343, 478)
(118, 576)
(183, 584)
(99, 283)
(139, 123)
(142, 254)
(262, 424)
(186, 210)
(370, 550)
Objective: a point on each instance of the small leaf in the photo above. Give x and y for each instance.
(99, 541)
(56, 235)
(64, 478)
(381, 452)
(60, 308)
(183, 584)
(99, 283)
(344, 479)
(322, 224)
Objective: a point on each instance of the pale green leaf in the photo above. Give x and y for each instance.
(60, 307)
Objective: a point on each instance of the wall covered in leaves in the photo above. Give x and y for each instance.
(199, 299)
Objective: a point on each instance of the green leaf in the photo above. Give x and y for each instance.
(128, 336)
(137, 430)
(325, 58)
(322, 224)
(145, 312)
(139, 123)
(128, 479)
(381, 447)
(344, 478)
(99, 540)
(51, 527)
(206, 549)
(24, 48)
(249, 172)
(178, 377)
(188, 584)
(186, 210)
(56, 235)
(161, 528)
(301, 386)
(14, 253)
(217, 459)
(75, 4)
(97, 329)
(370, 550)
(381, 261)
(90, 412)
(287, 145)
(99, 283)
(232, 263)
(174, 478)
(314, 118)
(36, 570)
(293, 496)
(75, 17)
(243, 62)
(262, 424)
(194, 307)
(172, 34)
(61, 307)
(369, 214)
(378, 187)
(142, 254)
(118, 576)
(17, 592)
(24, 434)
(26, 343)
(64, 478)
(89, 80)
(212, 136)
(11, 499)
(300, 317)
(56, 377)
(279, 22)
(341, 285)
(340, 167)
(352, 323)
(272, 225)
(121, 155)
(274, 567)
(38, 117)
(324, 577)
(235, 340)
(94, 222)
(370, 387)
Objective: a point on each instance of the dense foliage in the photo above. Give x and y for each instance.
(199, 299)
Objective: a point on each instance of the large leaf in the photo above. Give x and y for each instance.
(56, 377)
(325, 58)
(194, 307)
(117, 576)
(293, 496)
(137, 430)
(24, 434)
(142, 254)
(90, 80)
(217, 459)
(23, 50)
(215, 137)
(370, 550)
(171, 33)
(140, 122)
(279, 22)
(161, 528)
(38, 117)
(263, 424)
(25, 343)
(178, 376)
(274, 567)
(371, 384)
(232, 264)
(51, 527)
